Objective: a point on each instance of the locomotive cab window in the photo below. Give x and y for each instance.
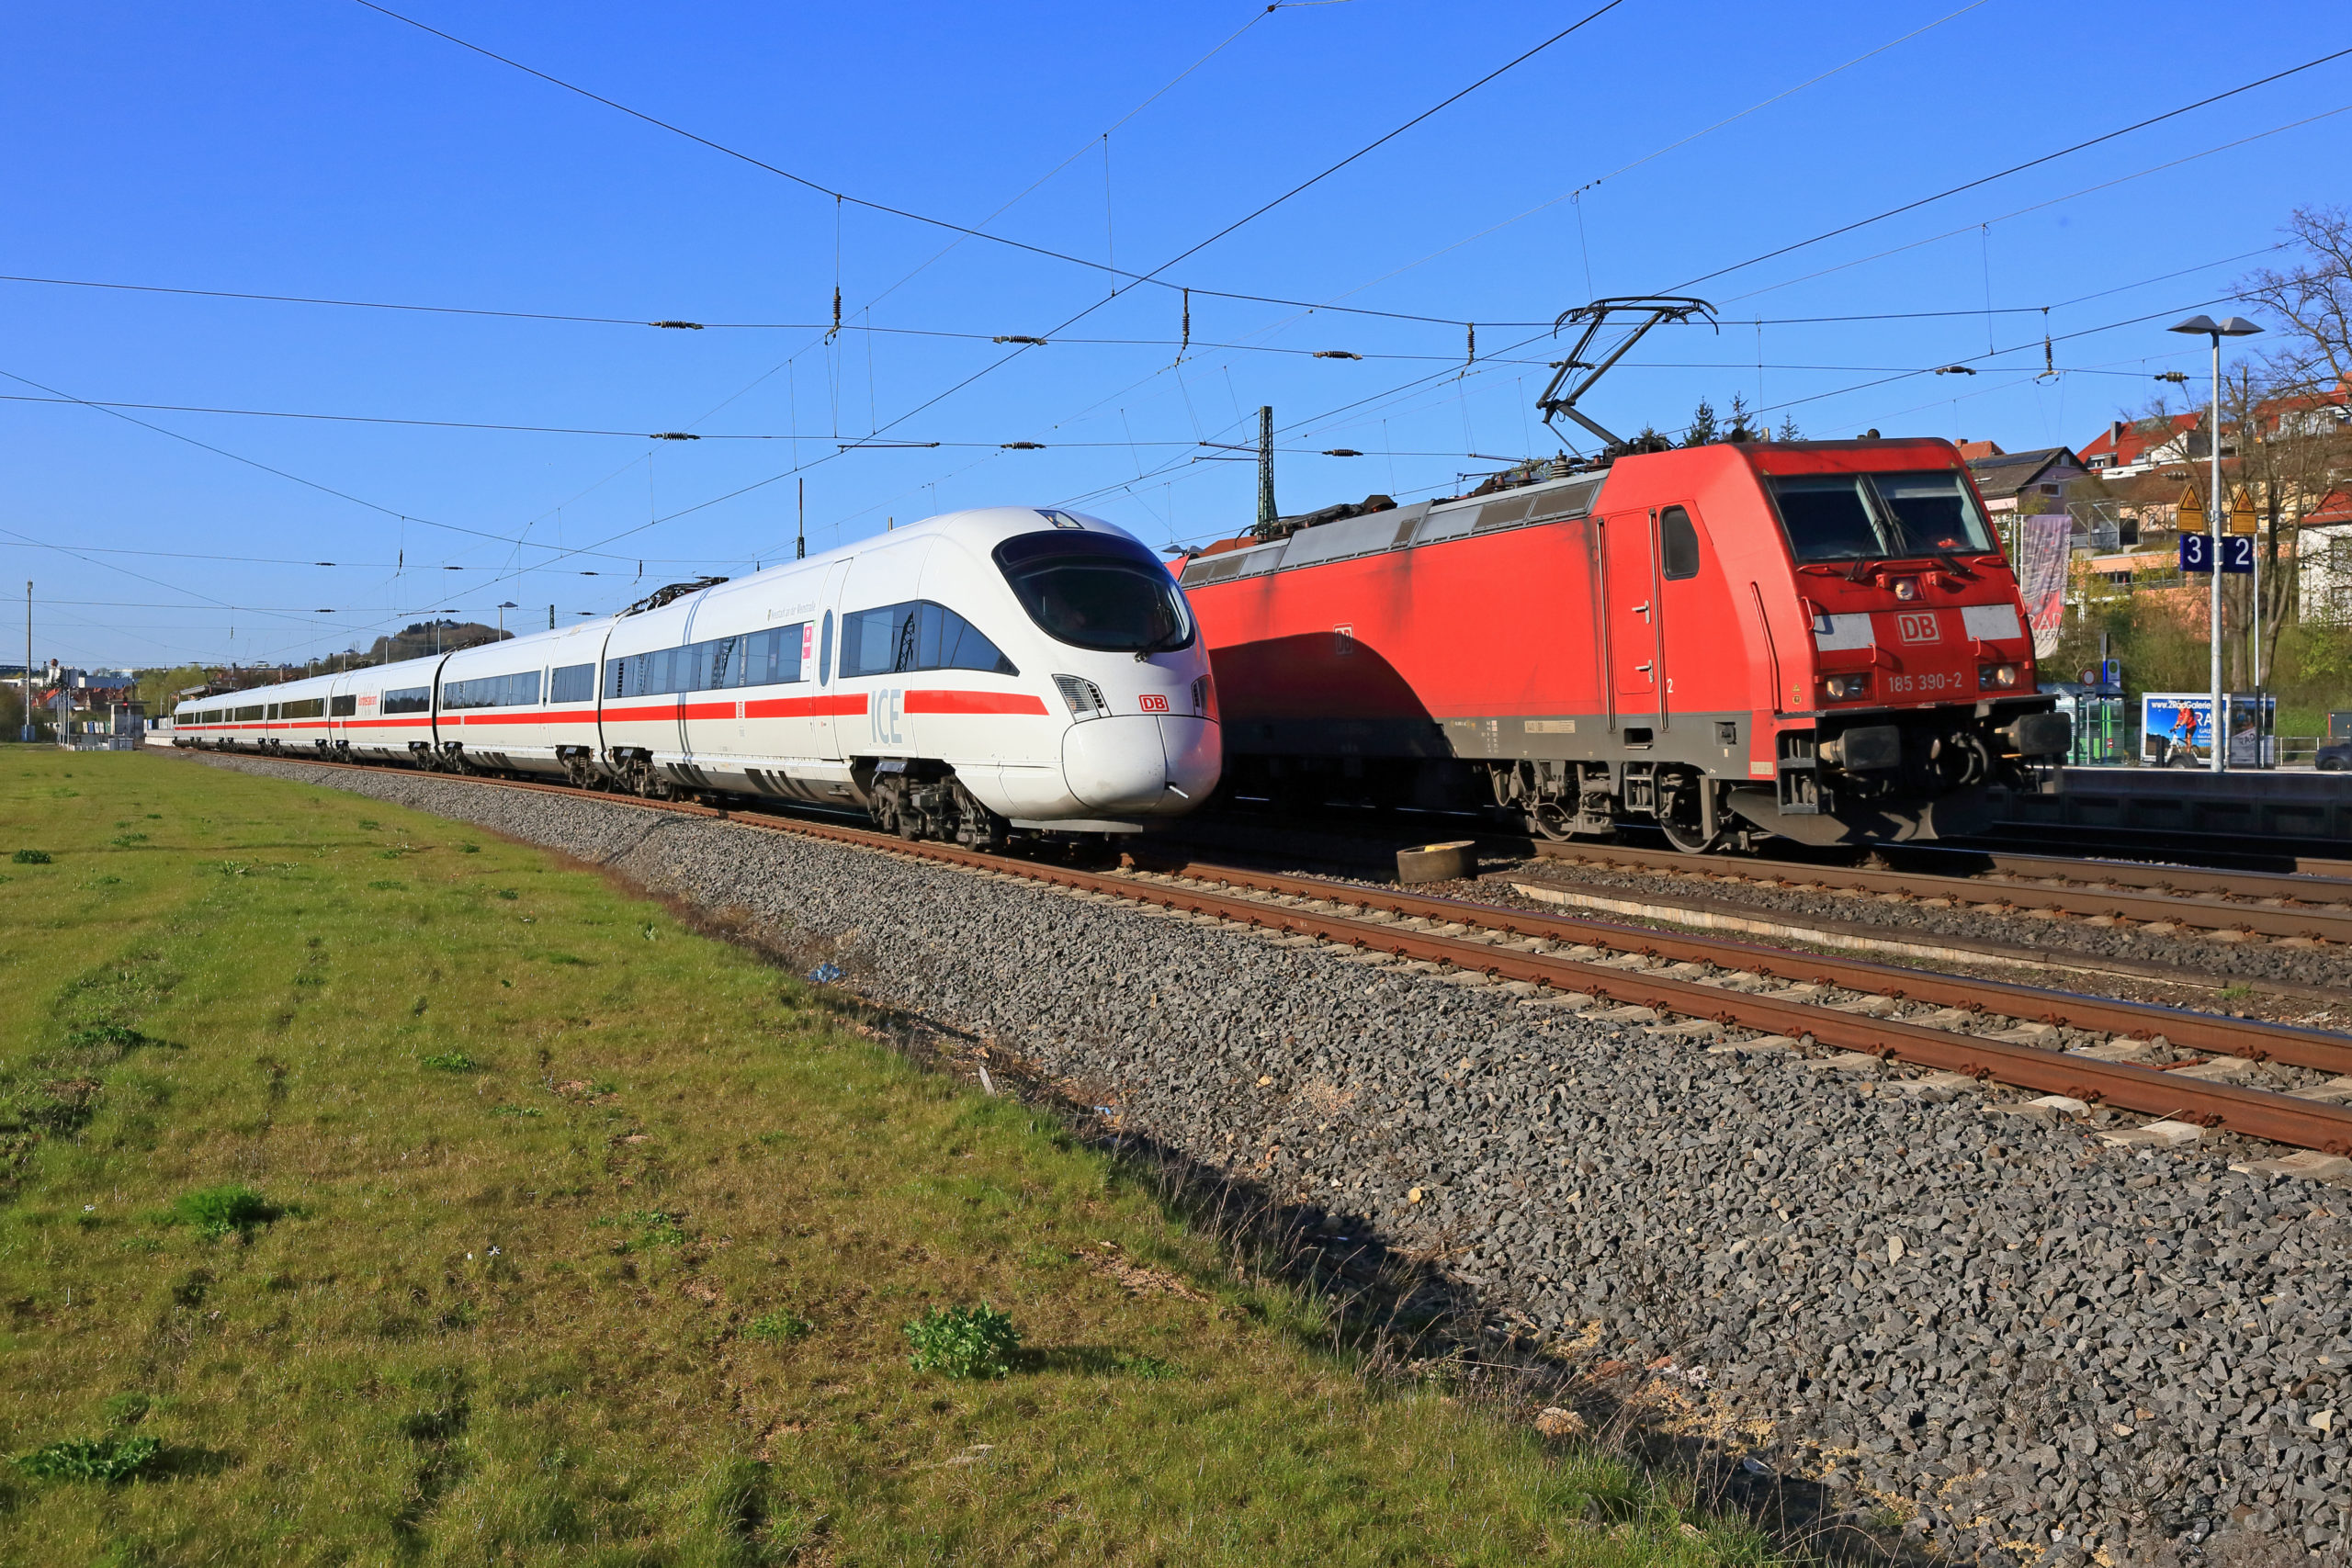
(1833, 517)
(1677, 543)
(1101, 592)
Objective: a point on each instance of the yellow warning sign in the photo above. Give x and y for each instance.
(2192, 512)
(2242, 519)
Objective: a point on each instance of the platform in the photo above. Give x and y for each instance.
(2266, 804)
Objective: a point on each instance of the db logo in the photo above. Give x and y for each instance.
(1918, 626)
(1154, 702)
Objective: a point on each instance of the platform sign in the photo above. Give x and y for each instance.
(2237, 552)
(2196, 553)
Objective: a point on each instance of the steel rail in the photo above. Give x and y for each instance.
(2256, 1114)
(2195, 908)
(2256, 1039)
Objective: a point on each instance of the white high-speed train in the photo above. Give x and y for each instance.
(1002, 668)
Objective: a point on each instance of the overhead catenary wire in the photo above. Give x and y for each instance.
(1915, 205)
(1132, 279)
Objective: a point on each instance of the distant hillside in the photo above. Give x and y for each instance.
(430, 637)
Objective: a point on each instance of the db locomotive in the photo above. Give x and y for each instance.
(1816, 639)
(982, 673)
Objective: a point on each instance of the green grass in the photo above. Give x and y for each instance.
(633, 1289)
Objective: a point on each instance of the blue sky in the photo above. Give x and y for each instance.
(328, 150)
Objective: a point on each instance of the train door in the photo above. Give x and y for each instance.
(1629, 594)
(1689, 607)
(820, 740)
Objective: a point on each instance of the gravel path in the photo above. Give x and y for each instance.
(2034, 1348)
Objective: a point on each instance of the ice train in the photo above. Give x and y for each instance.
(973, 676)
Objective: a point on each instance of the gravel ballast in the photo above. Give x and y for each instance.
(2033, 1348)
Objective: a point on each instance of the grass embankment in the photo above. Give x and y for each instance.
(378, 1190)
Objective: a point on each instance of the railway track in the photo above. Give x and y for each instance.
(2295, 909)
(2189, 1071)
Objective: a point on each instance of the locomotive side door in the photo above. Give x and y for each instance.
(1629, 597)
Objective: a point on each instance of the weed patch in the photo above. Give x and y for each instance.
(964, 1342)
(230, 1209)
(109, 1459)
(32, 857)
(779, 1326)
(450, 1062)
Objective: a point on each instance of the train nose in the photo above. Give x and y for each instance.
(1122, 765)
(1194, 750)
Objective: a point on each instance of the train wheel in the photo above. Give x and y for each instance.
(1683, 815)
(1690, 840)
(1550, 819)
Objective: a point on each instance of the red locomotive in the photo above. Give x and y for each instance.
(1820, 639)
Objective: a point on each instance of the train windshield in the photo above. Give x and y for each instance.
(1096, 591)
(1880, 516)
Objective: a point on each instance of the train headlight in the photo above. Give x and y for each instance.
(1845, 688)
(1996, 677)
(1907, 588)
(1084, 697)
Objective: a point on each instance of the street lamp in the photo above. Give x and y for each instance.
(2232, 326)
(502, 616)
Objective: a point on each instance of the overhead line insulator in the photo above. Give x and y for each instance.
(1015, 337)
(682, 326)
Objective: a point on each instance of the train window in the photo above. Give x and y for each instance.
(311, 707)
(247, 715)
(917, 635)
(491, 692)
(1677, 543)
(1827, 517)
(273, 710)
(408, 699)
(1880, 516)
(1095, 590)
(341, 707)
(572, 684)
(209, 716)
(824, 647)
(1933, 513)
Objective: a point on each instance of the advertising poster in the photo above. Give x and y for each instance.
(2177, 729)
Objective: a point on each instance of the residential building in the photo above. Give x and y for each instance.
(2026, 482)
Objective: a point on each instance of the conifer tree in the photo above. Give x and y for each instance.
(1742, 427)
(1702, 430)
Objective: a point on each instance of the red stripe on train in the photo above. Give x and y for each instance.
(972, 702)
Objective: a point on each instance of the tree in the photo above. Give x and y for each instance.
(1788, 431)
(2292, 452)
(1702, 429)
(160, 689)
(2312, 300)
(1742, 427)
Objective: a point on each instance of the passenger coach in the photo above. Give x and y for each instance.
(1816, 639)
(982, 672)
